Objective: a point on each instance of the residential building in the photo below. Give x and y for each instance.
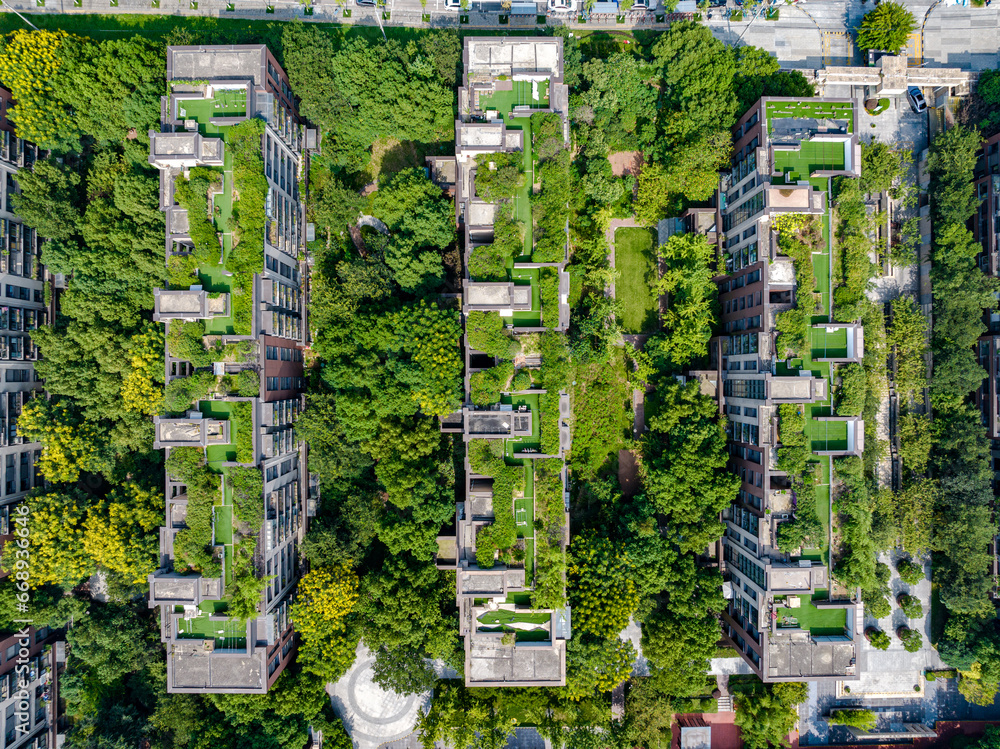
(22, 310)
(256, 325)
(986, 230)
(785, 614)
(512, 638)
(29, 697)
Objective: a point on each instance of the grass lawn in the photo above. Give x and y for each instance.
(811, 156)
(522, 198)
(503, 616)
(228, 634)
(635, 260)
(520, 95)
(533, 317)
(811, 110)
(817, 621)
(828, 344)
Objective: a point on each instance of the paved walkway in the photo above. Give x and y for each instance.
(371, 715)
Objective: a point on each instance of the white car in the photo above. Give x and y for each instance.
(562, 6)
(453, 4)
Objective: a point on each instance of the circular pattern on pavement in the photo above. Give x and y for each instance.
(371, 702)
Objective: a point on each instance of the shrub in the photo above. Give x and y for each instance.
(181, 392)
(522, 380)
(879, 639)
(486, 333)
(489, 262)
(548, 282)
(911, 639)
(910, 572)
(549, 209)
(242, 415)
(247, 485)
(853, 390)
(486, 386)
(248, 383)
(877, 603)
(486, 549)
(499, 175)
(192, 195)
(911, 606)
(863, 719)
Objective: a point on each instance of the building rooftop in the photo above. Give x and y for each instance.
(799, 654)
(491, 662)
(496, 56)
(218, 62)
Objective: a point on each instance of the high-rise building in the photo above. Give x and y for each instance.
(22, 309)
(230, 153)
(515, 475)
(786, 615)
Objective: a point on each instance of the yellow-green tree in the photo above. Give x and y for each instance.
(69, 445)
(320, 614)
(120, 532)
(54, 534)
(142, 386)
(29, 64)
(601, 584)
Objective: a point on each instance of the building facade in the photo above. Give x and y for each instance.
(30, 663)
(786, 153)
(251, 328)
(22, 310)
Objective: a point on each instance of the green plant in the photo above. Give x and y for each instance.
(886, 28)
(498, 175)
(522, 380)
(242, 416)
(486, 333)
(911, 639)
(181, 392)
(486, 386)
(853, 390)
(486, 548)
(910, 605)
(878, 639)
(909, 572)
(548, 282)
(248, 383)
(863, 719)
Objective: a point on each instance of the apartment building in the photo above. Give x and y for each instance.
(30, 664)
(259, 324)
(509, 640)
(22, 309)
(985, 227)
(785, 614)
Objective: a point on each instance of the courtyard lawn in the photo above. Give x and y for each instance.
(818, 621)
(215, 455)
(229, 634)
(519, 96)
(811, 156)
(828, 344)
(635, 260)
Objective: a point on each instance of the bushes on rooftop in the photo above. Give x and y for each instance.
(853, 390)
(486, 332)
(249, 218)
(522, 381)
(181, 392)
(550, 528)
(489, 262)
(907, 337)
(192, 194)
(548, 284)
(499, 175)
(486, 386)
(242, 416)
(248, 383)
(247, 589)
(551, 207)
(193, 545)
(247, 485)
(185, 342)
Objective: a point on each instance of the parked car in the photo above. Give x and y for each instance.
(365, 3)
(640, 5)
(562, 6)
(917, 102)
(453, 4)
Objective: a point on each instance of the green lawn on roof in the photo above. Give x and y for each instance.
(522, 198)
(218, 454)
(828, 344)
(818, 621)
(519, 95)
(228, 633)
(811, 156)
(635, 261)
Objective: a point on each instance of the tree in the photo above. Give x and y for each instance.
(597, 664)
(55, 534)
(910, 572)
(602, 591)
(883, 168)
(680, 648)
(911, 606)
(684, 459)
(908, 340)
(766, 715)
(879, 639)
(886, 28)
(691, 295)
(120, 532)
(758, 74)
(912, 642)
(498, 175)
(325, 599)
(421, 223)
(48, 199)
(617, 100)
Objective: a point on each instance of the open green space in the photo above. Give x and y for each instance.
(635, 261)
(826, 435)
(828, 344)
(811, 156)
(532, 317)
(819, 621)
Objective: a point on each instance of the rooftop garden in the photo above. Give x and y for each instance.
(228, 235)
(810, 156)
(819, 621)
(811, 109)
(635, 261)
(521, 94)
(526, 626)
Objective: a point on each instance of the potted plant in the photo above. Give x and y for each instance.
(878, 639)
(911, 606)
(911, 639)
